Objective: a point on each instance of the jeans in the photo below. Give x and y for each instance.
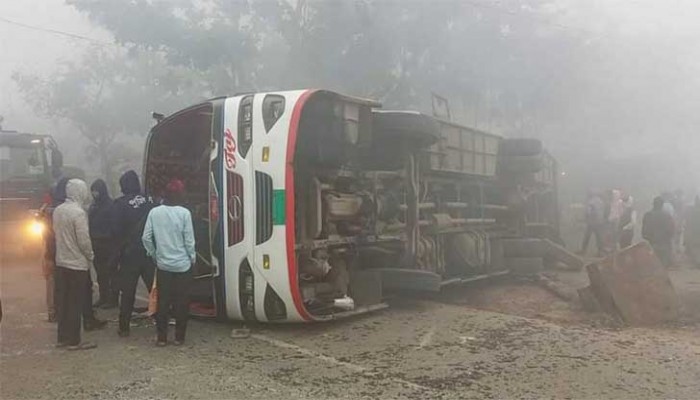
(70, 295)
(173, 295)
(129, 274)
(598, 231)
(50, 295)
(106, 268)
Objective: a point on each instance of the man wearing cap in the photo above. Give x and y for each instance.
(169, 238)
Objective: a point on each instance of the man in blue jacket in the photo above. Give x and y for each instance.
(169, 238)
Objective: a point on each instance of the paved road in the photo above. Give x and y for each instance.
(415, 350)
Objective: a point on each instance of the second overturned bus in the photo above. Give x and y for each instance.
(310, 205)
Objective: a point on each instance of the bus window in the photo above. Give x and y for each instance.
(272, 110)
(245, 125)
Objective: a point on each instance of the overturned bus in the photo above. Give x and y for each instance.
(310, 205)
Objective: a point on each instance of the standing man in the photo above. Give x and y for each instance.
(692, 233)
(100, 216)
(169, 239)
(130, 211)
(628, 221)
(90, 321)
(658, 229)
(614, 212)
(48, 262)
(595, 223)
(73, 260)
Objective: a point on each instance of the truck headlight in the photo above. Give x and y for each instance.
(36, 228)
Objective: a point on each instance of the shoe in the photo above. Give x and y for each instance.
(82, 346)
(161, 343)
(123, 333)
(94, 325)
(178, 342)
(61, 345)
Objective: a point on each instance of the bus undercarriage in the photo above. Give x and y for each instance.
(401, 201)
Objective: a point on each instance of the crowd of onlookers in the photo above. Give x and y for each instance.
(126, 239)
(671, 227)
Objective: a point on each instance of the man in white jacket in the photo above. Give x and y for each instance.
(73, 261)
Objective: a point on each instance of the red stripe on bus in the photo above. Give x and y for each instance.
(289, 200)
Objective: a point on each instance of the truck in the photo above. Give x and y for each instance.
(29, 165)
(310, 205)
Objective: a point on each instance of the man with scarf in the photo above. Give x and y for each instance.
(130, 211)
(100, 216)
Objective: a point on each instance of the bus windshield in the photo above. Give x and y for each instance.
(21, 162)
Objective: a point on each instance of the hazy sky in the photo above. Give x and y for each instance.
(665, 21)
(32, 50)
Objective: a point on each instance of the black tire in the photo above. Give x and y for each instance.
(522, 164)
(395, 134)
(520, 147)
(419, 129)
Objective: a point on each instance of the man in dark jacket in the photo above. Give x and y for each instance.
(658, 229)
(130, 212)
(100, 215)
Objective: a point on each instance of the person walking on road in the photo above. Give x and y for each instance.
(74, 257)
(595, 223)
(169, 238)
(658, 229)
(100, 218)
(130, 211)
(627, 223)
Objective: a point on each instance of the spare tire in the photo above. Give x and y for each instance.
(414, 127)
(522, 164)
(520, 147)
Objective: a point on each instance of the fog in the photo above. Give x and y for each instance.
(612, 87)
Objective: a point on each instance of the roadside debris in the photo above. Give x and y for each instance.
(633, 286)
(530, 256)
(240, 333)
(559, 289)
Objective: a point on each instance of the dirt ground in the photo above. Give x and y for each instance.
(506, 339)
